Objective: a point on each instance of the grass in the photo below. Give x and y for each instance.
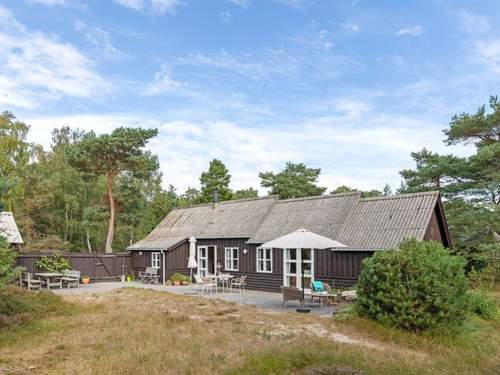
(145, 332)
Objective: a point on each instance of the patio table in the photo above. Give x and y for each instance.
(225, 278)
(51, 278)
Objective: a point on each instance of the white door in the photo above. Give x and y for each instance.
(293, 259)
(202, 260)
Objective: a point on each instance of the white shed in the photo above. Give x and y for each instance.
(8, 228)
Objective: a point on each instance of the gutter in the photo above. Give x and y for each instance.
(163, 265)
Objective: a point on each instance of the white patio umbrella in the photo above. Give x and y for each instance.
(302, 239)
(192, 264)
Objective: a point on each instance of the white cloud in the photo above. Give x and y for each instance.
(241, 3)
(410, 30)
(473, 23)
(35, 67)
(487, 51)
(163, 82)
(364, 156)
(325, 40)
(348, 26)
(101, 40)
(226, 16)
(158, 7)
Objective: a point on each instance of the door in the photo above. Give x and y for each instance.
(294, 260)
(207, 260)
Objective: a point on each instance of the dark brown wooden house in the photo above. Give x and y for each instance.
(230, 233)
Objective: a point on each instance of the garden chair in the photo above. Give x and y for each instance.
(291, 294)
(320, 292)
(150, 276)
(26, 279)
(239, 282)
(209, 284)
(71, 278)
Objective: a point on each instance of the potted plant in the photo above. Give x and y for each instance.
(177, 278)
(85, 279)
(130, 277)
(185, 280)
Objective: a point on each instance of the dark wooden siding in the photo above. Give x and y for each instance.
(96, 265)
(434, 231)
(340, 267)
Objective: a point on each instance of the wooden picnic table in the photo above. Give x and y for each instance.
(51, 278)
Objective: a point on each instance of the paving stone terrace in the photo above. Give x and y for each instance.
(260, 299)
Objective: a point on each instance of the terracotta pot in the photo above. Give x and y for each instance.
(177, 283)
(85, 280)
(185, 283)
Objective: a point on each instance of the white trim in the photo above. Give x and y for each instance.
(206, 247)
(264, 259)
(156, 255)
(298, 274)
(232, 258)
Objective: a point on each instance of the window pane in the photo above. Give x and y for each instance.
(268, 253)
(292, 268)
(235, 252)
(260, 265)
(306, 254)
(268, 266)
(292, 254)
(235, 264)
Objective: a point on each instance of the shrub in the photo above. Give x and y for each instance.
(179, 277)
(418, 287)
(19, 306)
(483, 304)
(8, 270)
(54, 263)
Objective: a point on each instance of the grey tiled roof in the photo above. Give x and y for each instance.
(322, 215)
(383, 222)
(230, 219)
(359, 223)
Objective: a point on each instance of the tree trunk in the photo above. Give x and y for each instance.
(89, 246)
(111, 226)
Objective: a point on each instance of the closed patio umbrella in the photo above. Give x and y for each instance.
(192, 264)
(302, 239)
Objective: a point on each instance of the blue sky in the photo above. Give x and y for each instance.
(349, 86)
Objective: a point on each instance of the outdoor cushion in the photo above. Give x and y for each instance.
(317, 286)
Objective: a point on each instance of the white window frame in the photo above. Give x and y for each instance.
(264, 259)
(231, 258)
(156, 259)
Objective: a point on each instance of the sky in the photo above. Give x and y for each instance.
(348, 86)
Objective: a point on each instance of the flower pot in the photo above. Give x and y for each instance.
(85, 280)
(185, 282)
(177, 283)
(130, 278)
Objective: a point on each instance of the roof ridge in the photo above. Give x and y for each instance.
(231, 201)
(326, 196)
(401, 196)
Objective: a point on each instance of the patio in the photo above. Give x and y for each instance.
(260, 299)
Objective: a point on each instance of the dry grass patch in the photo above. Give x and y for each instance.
(136, 331)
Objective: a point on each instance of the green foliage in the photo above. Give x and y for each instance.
(246, 193)
(295, 181)
(482, 303)
(364, 194)
(419, 286)
(215, 181)
(470, 185)
(19, 306)
(8, 270)
(179, 277)
(54, 263)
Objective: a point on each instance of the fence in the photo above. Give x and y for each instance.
(96, 265)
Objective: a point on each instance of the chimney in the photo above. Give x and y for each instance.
(215, 198)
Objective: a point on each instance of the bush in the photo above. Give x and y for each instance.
(418, 287)
(179, 277)
(19, 306)
(8, 270)
(54, 263)
(483, 304)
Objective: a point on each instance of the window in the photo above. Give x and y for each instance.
(231, 258)
(155, 260)
(264, 260)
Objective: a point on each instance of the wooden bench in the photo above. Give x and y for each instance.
(71, 278)
(26, 279)
(292, 294)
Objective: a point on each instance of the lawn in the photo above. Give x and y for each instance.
(135, 331)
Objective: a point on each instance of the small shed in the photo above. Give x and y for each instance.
(8, 228)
